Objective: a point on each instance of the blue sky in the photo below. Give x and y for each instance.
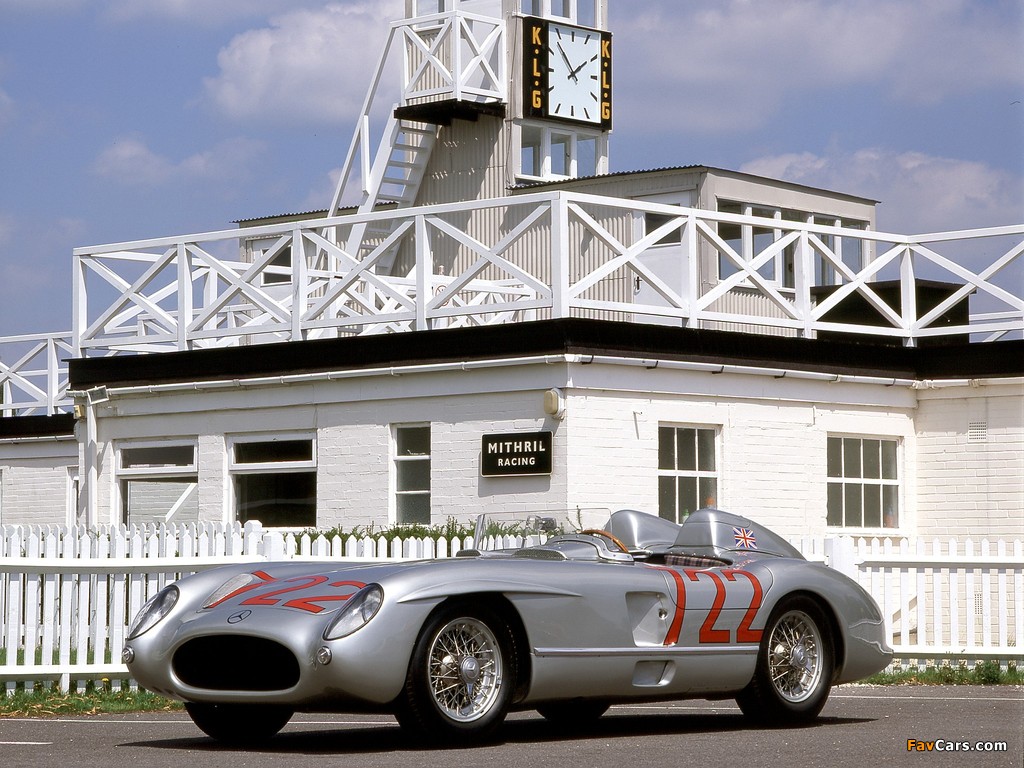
(126, 119)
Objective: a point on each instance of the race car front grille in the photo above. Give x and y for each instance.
(236, 663)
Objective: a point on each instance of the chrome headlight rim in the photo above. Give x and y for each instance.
(154, 611)
(359, 610)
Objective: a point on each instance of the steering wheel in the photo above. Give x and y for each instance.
(607, 535)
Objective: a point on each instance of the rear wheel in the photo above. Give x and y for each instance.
(239, 723)
(461, 675)
(795, 665)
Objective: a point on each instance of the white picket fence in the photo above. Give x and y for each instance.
(68, 594)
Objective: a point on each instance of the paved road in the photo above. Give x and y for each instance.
(861, 727)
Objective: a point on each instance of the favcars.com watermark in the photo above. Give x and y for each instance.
(944, 745)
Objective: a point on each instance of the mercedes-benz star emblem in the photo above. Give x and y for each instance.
(234, 618)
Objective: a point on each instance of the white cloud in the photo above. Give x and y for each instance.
(202, 12)
(735, 62)
(131, 162)
(307, 66)
(6, 109)
(919, 193)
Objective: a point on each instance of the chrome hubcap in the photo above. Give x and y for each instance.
(465, 669)
(794, 657)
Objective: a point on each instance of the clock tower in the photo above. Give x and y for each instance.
(494, 94)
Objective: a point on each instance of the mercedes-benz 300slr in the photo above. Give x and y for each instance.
(638, 609)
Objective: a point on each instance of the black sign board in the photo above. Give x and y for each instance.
(517, 453)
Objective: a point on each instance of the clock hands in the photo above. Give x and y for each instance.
(572, 71)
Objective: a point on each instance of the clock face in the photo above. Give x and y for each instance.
(567, 73)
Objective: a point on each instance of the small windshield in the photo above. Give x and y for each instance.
(514, 530)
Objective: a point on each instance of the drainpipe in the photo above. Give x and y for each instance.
(93, 397)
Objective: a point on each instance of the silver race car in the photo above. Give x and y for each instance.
(638, 609)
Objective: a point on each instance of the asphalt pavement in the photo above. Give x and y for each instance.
(860, 727)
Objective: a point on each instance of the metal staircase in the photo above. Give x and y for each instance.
(449, 71)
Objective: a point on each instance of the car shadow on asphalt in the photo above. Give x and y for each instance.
(390, 738)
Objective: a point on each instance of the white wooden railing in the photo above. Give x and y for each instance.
(34, 375)
(68, 594)
(556, 254)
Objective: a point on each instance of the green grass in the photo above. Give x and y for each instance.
(48, 702)
(983, 673)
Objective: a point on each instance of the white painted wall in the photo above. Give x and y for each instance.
(34, 481)
(971, 461)
(772, 456)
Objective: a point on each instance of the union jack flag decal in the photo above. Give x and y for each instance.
(745, 538)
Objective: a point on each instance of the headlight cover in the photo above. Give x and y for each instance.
(359, 609)
(232, 585)
(153, 611)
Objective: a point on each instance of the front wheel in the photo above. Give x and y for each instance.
(461, 675)
(239, 723)
(795, 665)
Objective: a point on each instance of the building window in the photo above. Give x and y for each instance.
(687, 471)
(748, 241)
(412, 474)
(274, 481)
(158, 483)
(560, 153)
(863, 483)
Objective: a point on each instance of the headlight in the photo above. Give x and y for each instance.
(153, 611)
(229, 587)
(359, 609)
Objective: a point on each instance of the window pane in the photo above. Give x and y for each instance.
(852, 516)
(531, 155)
(654, 220)
(586, 156)
(667, 498)
(851, 457)
(706, 450)
(158, 456)
(283, 260)
(414, 475)
(160, 501)
(561, 157)
(687, 497)
(873, 506)
(666, 448)
(273, 451)
(413, 441)
(872, 468)
(835, 457)
(277, 499)
(686, 442)
(413, 508)
(708, 492)
(835, 504)
(890, 506)
(889, 459)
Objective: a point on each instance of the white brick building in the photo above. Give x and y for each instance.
(687, 335)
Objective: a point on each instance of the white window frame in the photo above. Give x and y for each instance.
(784, 262)
(899, 483)
(236, 468)
(575, 136)
(124, 474)
(546, 9)
(697, 473)
(396, 460)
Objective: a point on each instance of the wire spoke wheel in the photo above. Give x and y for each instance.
(465, 669)
(794, 656)
(795, 665)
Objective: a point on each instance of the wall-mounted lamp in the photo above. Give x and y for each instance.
(554, 403)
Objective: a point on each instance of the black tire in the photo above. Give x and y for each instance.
(239, 723)
(575, 713)
(461, 675)
(795, 665)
